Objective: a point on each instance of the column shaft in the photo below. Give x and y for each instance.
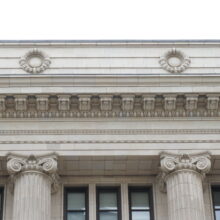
(32, 197)
(185, 196)
(183, 176)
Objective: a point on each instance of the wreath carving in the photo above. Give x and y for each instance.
(174, 61)
(35, 61)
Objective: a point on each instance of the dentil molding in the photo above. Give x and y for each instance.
(109, 106)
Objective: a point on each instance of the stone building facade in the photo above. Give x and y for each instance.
(110, 130)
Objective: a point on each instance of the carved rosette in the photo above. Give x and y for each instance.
(47, 165)
(35, 61)
(174, 61)
(171, 163)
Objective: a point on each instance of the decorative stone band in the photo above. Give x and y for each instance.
(36, 61)
(43, 165)
(171, 163)
(111, 105)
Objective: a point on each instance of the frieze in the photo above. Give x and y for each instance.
(111, 105)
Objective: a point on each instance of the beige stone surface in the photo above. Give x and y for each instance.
(108, 110)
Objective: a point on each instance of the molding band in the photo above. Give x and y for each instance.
(111, 142)
(110, 132)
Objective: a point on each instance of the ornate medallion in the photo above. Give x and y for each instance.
(174, 61)
(35, 61)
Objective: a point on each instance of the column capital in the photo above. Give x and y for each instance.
(47, 165)
(170, 163)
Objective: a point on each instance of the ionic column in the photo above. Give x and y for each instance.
(33, 179)
(183, 178)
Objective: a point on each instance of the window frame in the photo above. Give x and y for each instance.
(116, 189)
(2, 202)
(147, 189)
(76, 189)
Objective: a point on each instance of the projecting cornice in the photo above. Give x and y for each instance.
(109, 105)
(14, 43)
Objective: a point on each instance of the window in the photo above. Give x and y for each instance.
(76, 204)
(108, 204)
(216, 201)
(1, 202)
(140, 203)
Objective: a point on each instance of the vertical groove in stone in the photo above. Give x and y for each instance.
(185, 196)
(32, 197)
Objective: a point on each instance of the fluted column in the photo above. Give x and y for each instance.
(183, 178)
(33, 179)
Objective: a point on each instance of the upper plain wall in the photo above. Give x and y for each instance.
(111, 58)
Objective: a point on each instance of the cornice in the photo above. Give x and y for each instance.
(158, 43)
(109, 105)
(49, 83)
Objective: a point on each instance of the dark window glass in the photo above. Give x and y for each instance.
(216, 201)
(140, 203)
(108, 204)
(1, 202)
(76, 204)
